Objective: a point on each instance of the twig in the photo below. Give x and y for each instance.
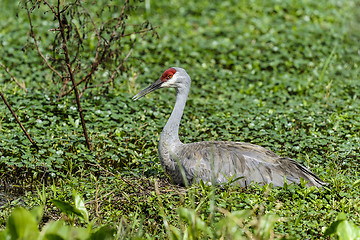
(70, 71)
(63, 88)
(17, 119)
(37, 45)
(14, 78)
(97, 60)
(113, 74)
(122, 63)
(97, 33)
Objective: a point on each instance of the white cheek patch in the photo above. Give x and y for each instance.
(169, 83)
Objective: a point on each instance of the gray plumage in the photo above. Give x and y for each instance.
(218, 162)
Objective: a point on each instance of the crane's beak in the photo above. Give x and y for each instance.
(149, 89)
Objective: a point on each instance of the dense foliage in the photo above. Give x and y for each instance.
(280, 74)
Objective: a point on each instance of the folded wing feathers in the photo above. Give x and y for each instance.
(235, 159)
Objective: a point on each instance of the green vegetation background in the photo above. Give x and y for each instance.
(280, 74)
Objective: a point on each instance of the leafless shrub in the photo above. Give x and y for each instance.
(85, 40)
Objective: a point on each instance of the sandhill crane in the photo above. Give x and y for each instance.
(218, 162)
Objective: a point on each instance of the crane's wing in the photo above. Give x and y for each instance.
(243, 162)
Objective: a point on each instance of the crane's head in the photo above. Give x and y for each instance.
(172, 78)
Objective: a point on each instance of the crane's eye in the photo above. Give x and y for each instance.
(168, 74)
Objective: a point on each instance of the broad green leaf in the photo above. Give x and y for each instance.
(66, 207)
(60, 230)
(22, 225)
(103, 233)
(4, 235)
(37, 212)
(332, 228)
(347, 231)
(341, 216)
(55, 230)
(80, 205)
(175, 233)
(343, 228)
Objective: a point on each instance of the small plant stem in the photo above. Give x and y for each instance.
(71, 74)
(326, 64)
(13, 77)
(97, 200)
(17, 119)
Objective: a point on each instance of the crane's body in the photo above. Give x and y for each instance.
(218, 162)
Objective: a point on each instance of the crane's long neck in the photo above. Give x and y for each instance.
(170, 133)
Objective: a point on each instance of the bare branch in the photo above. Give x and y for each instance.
(70, 71)
(113, 74)
(36, 43)
(107, 34)
(51, 8)
(14, 78)
(18, 121)
(97, 60)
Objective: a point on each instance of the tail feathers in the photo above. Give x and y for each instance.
(309, 176)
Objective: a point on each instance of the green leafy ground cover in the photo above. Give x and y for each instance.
(280, 74)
